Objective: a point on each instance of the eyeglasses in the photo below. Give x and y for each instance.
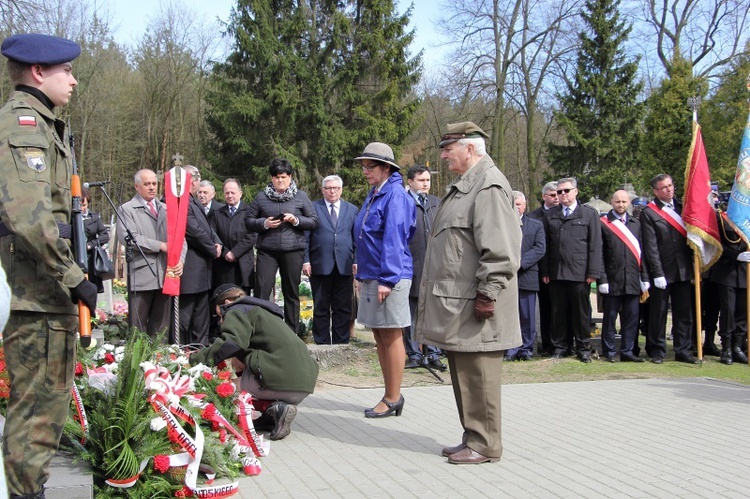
(334, 188)
(665, 187)
(368, 168)
(551, 194)
(566, 191)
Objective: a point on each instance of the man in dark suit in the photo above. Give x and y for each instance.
(549, 199)
(533, 246)
(622, 280)
(729, 275)
(329, 262)
(418, 178)
(203, 247)
(205, 194)
(236, 264)
(669, 261)
(572, 262)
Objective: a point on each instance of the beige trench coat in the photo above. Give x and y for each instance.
(475, 245)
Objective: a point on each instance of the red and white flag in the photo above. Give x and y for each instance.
(698, 211)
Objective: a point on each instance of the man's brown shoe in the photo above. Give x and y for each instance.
(449, 451)
(468, 456)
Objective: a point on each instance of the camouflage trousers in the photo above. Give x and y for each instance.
(40, 353)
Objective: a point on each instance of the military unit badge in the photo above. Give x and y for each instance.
(35, 160)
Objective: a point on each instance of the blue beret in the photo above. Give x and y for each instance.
(31, 48)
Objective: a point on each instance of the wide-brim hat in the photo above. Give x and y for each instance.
(378, 151)
(457, 131)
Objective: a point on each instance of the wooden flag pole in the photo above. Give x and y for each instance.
(698, 315)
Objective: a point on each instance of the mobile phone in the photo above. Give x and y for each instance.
(280, 216)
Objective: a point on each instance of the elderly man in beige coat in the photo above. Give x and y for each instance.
(468, 300)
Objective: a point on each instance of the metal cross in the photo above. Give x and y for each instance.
(177, 159)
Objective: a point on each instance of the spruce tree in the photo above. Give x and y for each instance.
(312, 81)
(600, 113)
(668, 125)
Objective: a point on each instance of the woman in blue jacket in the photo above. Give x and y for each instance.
(383, 229)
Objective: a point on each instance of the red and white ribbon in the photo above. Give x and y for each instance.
(81, 412)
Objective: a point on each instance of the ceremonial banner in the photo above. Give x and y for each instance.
(698, 211)
(739, 202)
(177, 194)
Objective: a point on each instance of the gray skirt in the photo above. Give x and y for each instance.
(392, 313)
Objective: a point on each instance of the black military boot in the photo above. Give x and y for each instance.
(726, 350)
(737, 354)
(726, 356)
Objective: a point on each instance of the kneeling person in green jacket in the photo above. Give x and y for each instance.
(273, 364)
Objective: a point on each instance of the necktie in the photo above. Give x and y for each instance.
(151, 207)
(334, 216)
(423, 200)
(567, 212)
(206, 209)
(232, 209)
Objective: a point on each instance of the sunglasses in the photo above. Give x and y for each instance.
(566, 191)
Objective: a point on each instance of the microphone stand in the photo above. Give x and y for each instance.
(130, 242)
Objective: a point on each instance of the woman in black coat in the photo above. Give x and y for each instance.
(96, 235)
(281, 214)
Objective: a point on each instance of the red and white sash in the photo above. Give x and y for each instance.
(623, 234)
(672, 217)
(177, 208)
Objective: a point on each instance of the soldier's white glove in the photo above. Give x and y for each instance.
(660, 282)
(645, 286)
(604, 288)
(744, 257)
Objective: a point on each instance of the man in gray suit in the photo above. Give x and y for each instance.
(146, 217)
(329, 262)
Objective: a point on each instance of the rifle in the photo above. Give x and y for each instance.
(79, 244)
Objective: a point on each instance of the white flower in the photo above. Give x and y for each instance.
(158, 424)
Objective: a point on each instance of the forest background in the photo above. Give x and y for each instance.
(596, 89)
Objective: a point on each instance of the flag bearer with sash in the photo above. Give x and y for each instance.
(669, 262)
(623, 279)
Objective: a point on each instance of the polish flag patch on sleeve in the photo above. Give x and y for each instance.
(27, 120)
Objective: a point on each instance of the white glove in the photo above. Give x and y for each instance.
(604, 288)
(744, 257)
(660, 282)
(645, 286)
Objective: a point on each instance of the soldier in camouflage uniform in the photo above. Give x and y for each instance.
(35, 250)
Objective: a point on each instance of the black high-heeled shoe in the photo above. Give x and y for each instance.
(394, 409)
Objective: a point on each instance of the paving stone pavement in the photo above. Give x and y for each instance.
(660, 438)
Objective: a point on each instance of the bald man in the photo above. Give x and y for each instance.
(622, 280)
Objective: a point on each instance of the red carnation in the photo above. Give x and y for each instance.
(209, 412)
(225, 389)
(207, 375)
(222, 365)
(225, 375)
(109, 358)
(223, 436)
(184, 492)
(79, 369)
(161, 463)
